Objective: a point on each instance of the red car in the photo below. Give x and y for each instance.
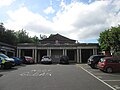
(27, 60)
(109, 64)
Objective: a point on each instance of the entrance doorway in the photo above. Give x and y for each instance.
(85, 54)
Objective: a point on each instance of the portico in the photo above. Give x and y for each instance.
(77, 52)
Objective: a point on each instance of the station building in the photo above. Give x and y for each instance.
(56, 46)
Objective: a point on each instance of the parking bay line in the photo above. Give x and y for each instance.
(97, 78)
(112, 80)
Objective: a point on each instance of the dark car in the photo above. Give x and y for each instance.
(64, 60)
(17, 60)
(109, 64)
(93, 60)
(27, 60)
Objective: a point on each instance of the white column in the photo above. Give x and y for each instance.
(94, 51)
(80, 56)
(39, 56)
(65, 52)
(33, 53)
(50, 52)
(19, 53)
(35, 56)
(47, 52)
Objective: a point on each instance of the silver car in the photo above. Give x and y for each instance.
(46, 60)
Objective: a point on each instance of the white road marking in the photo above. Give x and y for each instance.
(43, 72)
(112, 80)
(98, 78)
(116, 86)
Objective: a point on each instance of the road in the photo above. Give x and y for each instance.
(49, 77)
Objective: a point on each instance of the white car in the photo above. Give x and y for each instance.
(46, 60)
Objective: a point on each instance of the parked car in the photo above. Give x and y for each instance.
(27, 60)
(64, 60)
(109, 64)
(46, 60)
(93, 60)
(17, 60)
(7, 59)
(5, 64)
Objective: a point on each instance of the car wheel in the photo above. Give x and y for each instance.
(2, 66)
(95, 66)
(109, 70)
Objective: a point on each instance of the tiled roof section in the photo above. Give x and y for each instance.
(57, 39)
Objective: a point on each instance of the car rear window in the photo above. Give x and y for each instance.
(102, 60)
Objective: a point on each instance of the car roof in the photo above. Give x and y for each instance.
(108, 57)
(96, 56)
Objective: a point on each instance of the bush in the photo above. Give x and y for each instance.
(116, 54)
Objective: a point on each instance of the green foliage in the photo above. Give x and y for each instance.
(35, 39)
(13, 38)
(10, 37)
(116, 54)
(23, 37)
(110, 39)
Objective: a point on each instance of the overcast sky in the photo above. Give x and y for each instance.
(81, 20)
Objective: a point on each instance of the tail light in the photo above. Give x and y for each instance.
(28, 59)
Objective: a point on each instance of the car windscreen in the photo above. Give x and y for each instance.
(3, 56)
(46, 57)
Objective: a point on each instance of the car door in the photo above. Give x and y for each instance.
(116, 64)
(119, 66)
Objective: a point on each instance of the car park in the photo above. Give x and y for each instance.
(64, 60)
(46, 60)
(17, 60)
(7, 59)
(27, 60)
(109, 64)
(93, 60)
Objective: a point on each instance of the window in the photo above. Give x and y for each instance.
(102, 60)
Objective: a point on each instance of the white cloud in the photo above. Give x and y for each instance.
(77, 20)
(6, 2)
(49, 10)
(85, 21)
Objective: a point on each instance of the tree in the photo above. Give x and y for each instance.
(2, 31)
(23, 36)
(114, 37)
(10, 37)
(35, 39)
(110, 39)
(13, 38)
(104, 40)
(42, 37)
